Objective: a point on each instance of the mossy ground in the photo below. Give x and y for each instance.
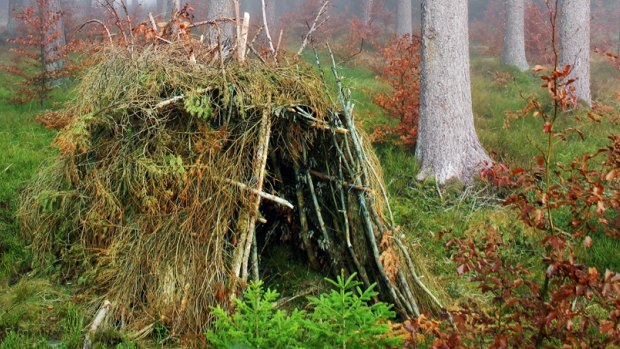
(35, 311)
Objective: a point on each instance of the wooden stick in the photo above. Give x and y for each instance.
(347, 233)
(153, 24)
(255, 271)
(303, 219)
(237, 17)
(247, 219)
(321, 124)
(263, 195)
(413, 273)
(347, 108)
(273, 50)
(325, 177)
(313, 28)
(243, 39)
(101, 24)
(214, 21)
(99, 317)
(278, 46)
(262, 152)
(315, 201)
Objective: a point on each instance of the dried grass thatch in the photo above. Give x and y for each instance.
(168, 169)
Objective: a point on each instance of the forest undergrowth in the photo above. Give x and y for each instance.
(36, 312)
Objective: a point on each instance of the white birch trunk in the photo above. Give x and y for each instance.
(574, 27)
(404, 17)
(513, 48)
(448, 147)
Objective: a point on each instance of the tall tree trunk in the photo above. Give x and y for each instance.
(12, 23)
(367, 11)
(272, 17)
(404, 16)
(513, 48)
(54, 41)
(574, 27)
(448, 147)
(220, 9)
(87, 8)
(5, 13)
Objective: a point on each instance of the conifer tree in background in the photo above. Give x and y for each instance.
(448, 147)
(574, 30)
(513, 48)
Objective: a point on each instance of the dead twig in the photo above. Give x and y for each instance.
(315, 25)
(96, 21)
(271, 48)
(99, 317)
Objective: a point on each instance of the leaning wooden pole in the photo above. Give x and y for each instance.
(248, 218)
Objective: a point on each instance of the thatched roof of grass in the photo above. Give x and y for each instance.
(169, 168)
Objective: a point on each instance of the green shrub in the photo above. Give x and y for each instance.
(256, 323)
(343, 318)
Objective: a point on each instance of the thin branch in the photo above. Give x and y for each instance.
(99, 317)
(215, 21)
(315, 25)
(273, 50)
(96, 21)
(266, 196)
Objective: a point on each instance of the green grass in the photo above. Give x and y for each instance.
(516, 144)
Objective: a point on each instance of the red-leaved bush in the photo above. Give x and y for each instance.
(34, 52)
(401, 71)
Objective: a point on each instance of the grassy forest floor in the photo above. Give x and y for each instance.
(36, 312)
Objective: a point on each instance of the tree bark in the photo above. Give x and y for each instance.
(220, 9)
(367, 11)
(5, 13)
(448, 147)
(404, 16)
(513, 48)
(54, 41)
(12, 23)
(574, 27)
(272, 17)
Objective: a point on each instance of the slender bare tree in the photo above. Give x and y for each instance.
(513, 48)
(448, 147)
(404, 16)
(574, 28)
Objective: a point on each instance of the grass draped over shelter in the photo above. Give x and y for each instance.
(169, 167)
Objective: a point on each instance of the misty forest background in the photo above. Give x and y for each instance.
(497, 143)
